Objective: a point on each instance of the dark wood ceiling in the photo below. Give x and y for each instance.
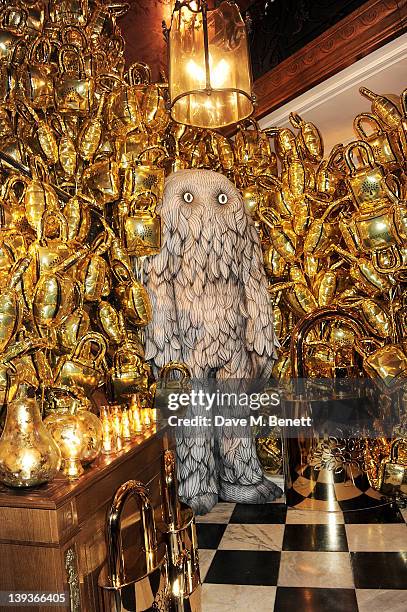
(142, 31)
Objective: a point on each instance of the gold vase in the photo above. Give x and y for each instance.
(69, 434)
(92, 434)
(28, 454)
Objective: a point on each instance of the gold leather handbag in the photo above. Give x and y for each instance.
(129, 374)
(132, 296)
(364, 179)
(150, 97)
(81, 368)
(74, 90)
(36, 79)
(386, 364)
(39, 196)
(383, 142)
(102, 181)
(141, 228)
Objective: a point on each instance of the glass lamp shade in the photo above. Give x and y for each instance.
(210, 81)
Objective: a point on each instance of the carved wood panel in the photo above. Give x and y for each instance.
(357, 35)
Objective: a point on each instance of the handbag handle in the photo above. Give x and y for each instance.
(139, 73)
(175, 366)
(92, 338)
(62, 59)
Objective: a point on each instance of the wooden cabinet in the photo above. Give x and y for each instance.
(52, 538)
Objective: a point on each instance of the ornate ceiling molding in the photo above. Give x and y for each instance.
(363, 31)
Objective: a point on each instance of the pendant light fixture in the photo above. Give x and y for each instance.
(210, 82)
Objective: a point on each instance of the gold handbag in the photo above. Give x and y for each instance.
(179, 530)
(150, 97)
(329, 176)
(392, 472)
(74, 90)
(39, 196)
(47, 253)
(93, 273)
(403, 125)
(11, 314)
(385, 364)
(132, 296)
(129, 147)
(69, 11)
(141, 228)
(44, 134)
(102, 181)
(81, 368)
(364, 180)
(310, 140)
(77, 215)
(111, 323)
(35, 79)
(166, 385)
(381, 141)
(53, 299)
(124, 114)
(145, 175)
(75, 325)
(282, 237)
(251, 145)
(373, 231)
(12, 23)
(9, 73)
(129, 374)
(13, 242)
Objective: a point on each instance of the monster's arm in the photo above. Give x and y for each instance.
(162, 334)
(261, 341)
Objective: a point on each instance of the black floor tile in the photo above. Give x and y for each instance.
(379, 570)
(380, 514)
(315, 600)
(361, 502)
(362, 483)
(318, 538)
(293, 497)
(246, 567)
(209, 535)
(260, 514)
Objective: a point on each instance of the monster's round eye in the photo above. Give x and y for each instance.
(222, 198)
(188, 197)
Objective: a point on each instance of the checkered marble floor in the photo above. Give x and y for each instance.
(269, 558)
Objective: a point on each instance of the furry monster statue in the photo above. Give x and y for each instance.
(211, 310)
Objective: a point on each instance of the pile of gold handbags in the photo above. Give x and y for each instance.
(85, 146)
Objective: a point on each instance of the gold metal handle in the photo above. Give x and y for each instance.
(43, 44)
(358, 144)
(113, 529)
(304, 326)
(365, 118)
(92, 338)
(68, 48)
(63, 225)
(72, 29)
(175, 366)
(139, 73)
(171, 506)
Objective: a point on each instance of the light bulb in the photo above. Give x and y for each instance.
(219, 73)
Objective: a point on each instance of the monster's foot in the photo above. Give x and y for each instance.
(260, 493)
(201, 504)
